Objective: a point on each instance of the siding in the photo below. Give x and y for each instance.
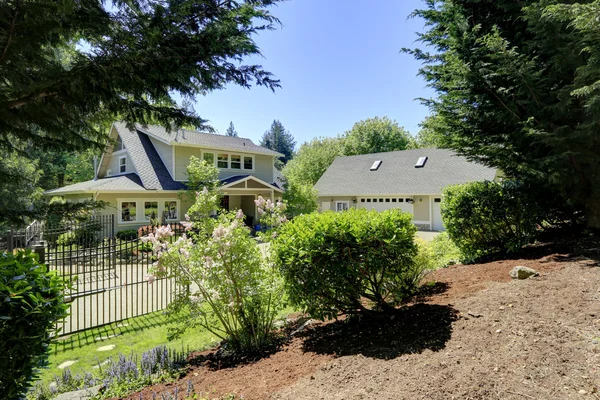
(113, 163)
(421, 208)
(325, 202)
(165, 152)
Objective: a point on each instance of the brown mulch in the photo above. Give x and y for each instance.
(475, 335)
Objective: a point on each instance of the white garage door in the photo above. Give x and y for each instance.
(385, 203)
(438, 224)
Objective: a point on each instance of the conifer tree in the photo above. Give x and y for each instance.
(277, 138)
(231, 130)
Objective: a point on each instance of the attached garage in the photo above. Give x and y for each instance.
(385, 203)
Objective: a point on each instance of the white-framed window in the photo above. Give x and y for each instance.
(150, 210)
(122, 165)
(119, 145)
(230, 161)
(142, 211)
(342, 206)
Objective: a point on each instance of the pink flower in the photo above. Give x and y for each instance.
(150, 278)
(219, 232)
(240, 214)
(187, 225)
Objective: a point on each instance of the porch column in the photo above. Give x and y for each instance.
(272, 195)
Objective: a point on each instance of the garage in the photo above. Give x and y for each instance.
(386, 203)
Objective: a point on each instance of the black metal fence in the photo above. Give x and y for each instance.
(108, 272)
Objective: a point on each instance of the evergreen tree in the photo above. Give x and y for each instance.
(517, 89)
(231, 130)
(280, 140)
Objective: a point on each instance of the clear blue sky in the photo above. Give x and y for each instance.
(339, 62)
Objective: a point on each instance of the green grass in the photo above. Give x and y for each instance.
(135, 336)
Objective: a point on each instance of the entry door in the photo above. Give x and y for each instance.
(225, 203)
(438, 224)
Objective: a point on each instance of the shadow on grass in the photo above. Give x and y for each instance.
(414, 329)
(94, 335)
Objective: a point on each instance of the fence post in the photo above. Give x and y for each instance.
(10, 240)
(40, 250)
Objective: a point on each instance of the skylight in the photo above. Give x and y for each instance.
(421, 162)
(375, 165)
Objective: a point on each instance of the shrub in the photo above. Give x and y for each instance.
(357, 261)
(235, 291)
(438, 253)
(128, 234)
(31, 303)
(67, 239)
(487, 218)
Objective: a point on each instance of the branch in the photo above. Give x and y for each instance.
(24, 100)
(10, 35)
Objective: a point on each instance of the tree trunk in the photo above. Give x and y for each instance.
(592, 212)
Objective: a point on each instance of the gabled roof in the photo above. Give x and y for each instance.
(208, 140)
(352, 175)
(129, 182)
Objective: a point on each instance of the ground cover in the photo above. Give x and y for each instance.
(473, 334)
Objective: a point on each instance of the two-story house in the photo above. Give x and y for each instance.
(142, 171)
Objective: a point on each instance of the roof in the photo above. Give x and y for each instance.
(351, 175)
(211, 140)
(129, 182)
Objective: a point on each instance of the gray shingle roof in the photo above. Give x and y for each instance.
(351, 175)
(210, 140)
(129, 182)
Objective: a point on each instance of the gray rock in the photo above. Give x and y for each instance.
(83, 394)
(520, 272)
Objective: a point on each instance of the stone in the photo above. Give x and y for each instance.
(106, 348)
(83, 394)
(66, 364)
(520, 272)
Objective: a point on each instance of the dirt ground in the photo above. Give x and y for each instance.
(475, 335)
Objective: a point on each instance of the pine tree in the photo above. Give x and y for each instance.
(278, 139)
(231, 130)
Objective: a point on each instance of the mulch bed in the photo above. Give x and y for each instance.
(472, 334)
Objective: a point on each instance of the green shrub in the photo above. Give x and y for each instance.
(488, 218)
(438, 253)
(128, 234)
(67, 239)
(356, 261)
(31, 303)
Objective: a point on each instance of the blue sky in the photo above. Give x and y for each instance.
(339, 62)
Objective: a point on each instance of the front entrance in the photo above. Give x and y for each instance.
(225, 203)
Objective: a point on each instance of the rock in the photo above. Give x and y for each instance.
(106, 348)
(520, 272)
(83, 394)
(66, 364)
(582, 391)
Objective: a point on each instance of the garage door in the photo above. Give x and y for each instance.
(438, 224)
(385, 203)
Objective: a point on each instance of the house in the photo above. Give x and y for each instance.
(142, 171)
(411, 180)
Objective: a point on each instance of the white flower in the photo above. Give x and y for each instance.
(240, 214)
(150, 278)
(219, 232)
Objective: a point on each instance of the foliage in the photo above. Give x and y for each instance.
(19, 188)
(272, 216)
(376, 135)
(277, 138)
(235, 292)
(354, 262)
(200, 175)
(438, 253)
(127, 234)
(430, 134)
(517, 89)
(231, 130)
(31, 303)
(487, 218)
(300, 199)
(84, 234)
(312, 160)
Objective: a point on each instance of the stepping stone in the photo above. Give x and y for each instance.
(101, 364)
(106, 348)
(67, 364)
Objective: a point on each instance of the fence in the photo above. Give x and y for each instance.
(108, 275)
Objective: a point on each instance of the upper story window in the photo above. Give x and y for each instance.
(122, 164)
(229, 161)
(119, 145)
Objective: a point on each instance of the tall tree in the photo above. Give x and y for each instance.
(430, 134)
(231, 130)
(517, 88)
(377, 135)
(281, 140)
(68, 67)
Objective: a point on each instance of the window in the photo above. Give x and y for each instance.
(409, 200)
(368, 200)
(128, 211)
(381, 200)
(122, 164)
(375, 165)
(236, 162)
(387, 200)
(341, 206)
(421, 162)
(437, 200)
(400, 200)
(209, 158)
(119, 145)
(248, 163)
(170, 210)
(362, 200)
(150, 210)
(223, 160)
(394, 200)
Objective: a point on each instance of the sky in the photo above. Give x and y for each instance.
(339, 62)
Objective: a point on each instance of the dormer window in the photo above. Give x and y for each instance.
(119, 145)
(122, 165)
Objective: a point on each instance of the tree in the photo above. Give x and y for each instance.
(517, 89)
(231, 130)
(70, 67)
(19, 189)
(278, 139)
(376, 135)
(429, 136)
(312, 160)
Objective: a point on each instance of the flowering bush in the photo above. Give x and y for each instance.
(271, 215)
(234, 292)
